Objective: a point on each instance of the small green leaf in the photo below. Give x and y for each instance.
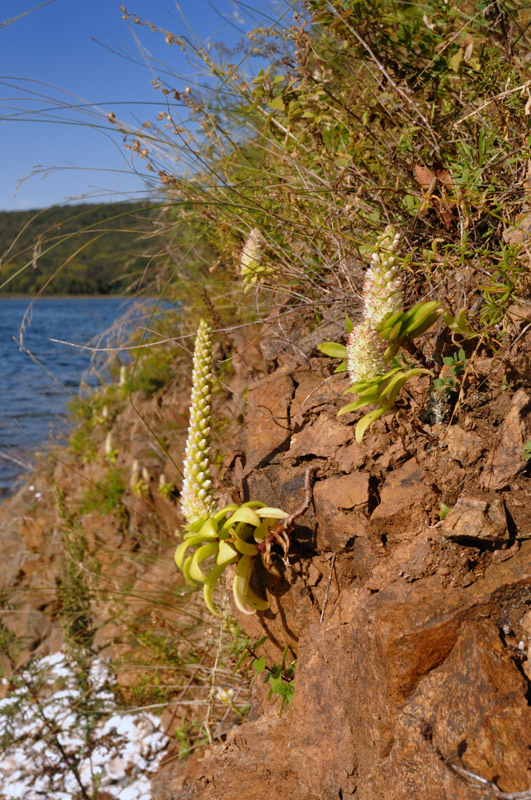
(259, 666)
(277, 103)
(333, 349)
(455, 60)
(349, 324)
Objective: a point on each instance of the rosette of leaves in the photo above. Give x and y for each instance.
(232, 535)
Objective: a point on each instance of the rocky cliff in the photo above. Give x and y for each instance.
(412, 631)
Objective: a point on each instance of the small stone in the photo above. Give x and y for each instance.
(344, 491)
(525, 622)
(482, 518)
(468, 579)
(463, 446)
(402, 489)
(506, 460)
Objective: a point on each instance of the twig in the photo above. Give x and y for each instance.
(287, 524)
(325, 601)
(492, 99)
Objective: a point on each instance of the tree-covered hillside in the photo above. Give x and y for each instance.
(81, 249)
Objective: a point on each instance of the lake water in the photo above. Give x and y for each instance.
(36, 386)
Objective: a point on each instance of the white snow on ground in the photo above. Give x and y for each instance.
(60, 727)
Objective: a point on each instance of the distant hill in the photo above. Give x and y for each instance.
(81, 249)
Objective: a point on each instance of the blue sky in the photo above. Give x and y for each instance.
(74, 52)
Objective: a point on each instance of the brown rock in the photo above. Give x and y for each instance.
(350, 458)
(463, 446)
(315, 393)
(321, 438)
(336, 529)
(343, 491)
(267, 428)
(482, 518)
(320, 726)
(392, 689)
(506, 460)
(404, 487)
(488, 736)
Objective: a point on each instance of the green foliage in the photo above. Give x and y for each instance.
(92, 412)
(398, 330)
(153, 371)
(8, 641)
(279, 676)
(507, 280)
(233, 535)
(106, 496)
(381, 391)
(454, 366)
(75, 592)
(527, 451)
(82, 249)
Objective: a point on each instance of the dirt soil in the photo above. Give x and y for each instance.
(412, 633)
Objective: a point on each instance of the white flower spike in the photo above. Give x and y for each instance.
(252, 267)
(365, 353)
(196, 495)
(382, 290)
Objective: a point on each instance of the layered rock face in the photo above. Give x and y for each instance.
(412, 633)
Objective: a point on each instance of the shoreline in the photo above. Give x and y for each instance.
(67, 297)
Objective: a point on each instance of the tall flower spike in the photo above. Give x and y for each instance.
(382, 290)
(196, 494)
(365, 353)
(251, 260)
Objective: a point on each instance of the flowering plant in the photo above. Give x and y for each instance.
(252, 266)
(233, 535)
(369, 355)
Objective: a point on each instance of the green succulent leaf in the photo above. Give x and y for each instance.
(366, 421)
(267, 512)
(242, 514)
(459, 323)
(333, 349)
(395, 384)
